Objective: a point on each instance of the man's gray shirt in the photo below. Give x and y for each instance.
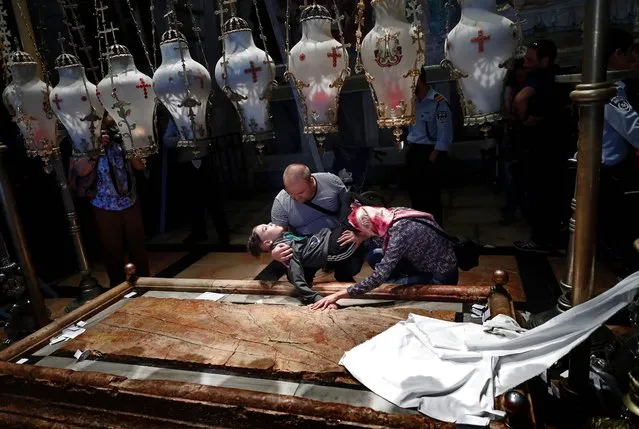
(305, 220)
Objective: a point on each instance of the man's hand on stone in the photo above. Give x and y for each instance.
(282, 253)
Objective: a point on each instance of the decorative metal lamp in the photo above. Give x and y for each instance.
(183, 86)
(27, 101)
(318, 65)
(478, 50)
(128, 96)
(391, 54)
(76, 105)
(246, 74)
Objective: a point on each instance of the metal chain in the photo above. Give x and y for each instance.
(140, 36)
(359, 20)
(99, 37)
(263, 37)
(339, 18)
(153, 40)
(196, 30)
(188, 100)
(288, 31)
(78, 28)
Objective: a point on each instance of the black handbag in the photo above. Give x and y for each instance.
(466, 250)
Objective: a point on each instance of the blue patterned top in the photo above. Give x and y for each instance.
(107, 196)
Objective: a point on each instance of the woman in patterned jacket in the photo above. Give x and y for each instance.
(413, 244)
(115, 205)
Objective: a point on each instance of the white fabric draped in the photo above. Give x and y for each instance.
(453, 371)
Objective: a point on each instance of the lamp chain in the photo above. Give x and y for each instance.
(197, 30)
(74, 24)
(101, 50)
(263, 37)
(140, 36)
(188, 101)
(288, 31)
(153, 39)
(359, 20)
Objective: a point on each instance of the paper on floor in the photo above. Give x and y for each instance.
(453, 371)
(211, 296)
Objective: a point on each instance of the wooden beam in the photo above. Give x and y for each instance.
(257, 287)
(39, 338)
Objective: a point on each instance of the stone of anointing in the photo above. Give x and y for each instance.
(284, 341)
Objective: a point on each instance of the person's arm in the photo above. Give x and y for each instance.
(137, 164)
(394, 252)
(620, 114)
(444, 120)
(520, 103)
(296, 276)
(279, 215)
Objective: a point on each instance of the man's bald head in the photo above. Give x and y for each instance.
(296, 173)
(299, 183)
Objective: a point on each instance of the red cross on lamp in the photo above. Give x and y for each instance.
(246, 74)
(184, 87)
(129, 98)
(477, 49)
(318, 65)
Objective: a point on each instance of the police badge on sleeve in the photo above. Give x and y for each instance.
(621, 104)
(442, 116)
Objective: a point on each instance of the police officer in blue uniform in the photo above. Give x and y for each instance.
(620, 139)
(428, 143)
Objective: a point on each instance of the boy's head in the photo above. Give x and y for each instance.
(262, 238)
(540, 55)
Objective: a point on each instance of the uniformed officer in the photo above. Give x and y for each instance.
(428, 143)
(620, 137)
(621, 129)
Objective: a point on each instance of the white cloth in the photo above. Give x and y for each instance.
(453, 371)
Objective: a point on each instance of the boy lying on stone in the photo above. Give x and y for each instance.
(309, 253)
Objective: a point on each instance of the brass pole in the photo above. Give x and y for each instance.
(10, 210)
(591, 96)
(25, 29)
(89, 286)
(565, 300)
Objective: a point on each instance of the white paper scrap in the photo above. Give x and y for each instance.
(211, 296)
(77, 354)
(81, 323)
(21, 361)
(56, 340)
(72, 333)
(130, 294)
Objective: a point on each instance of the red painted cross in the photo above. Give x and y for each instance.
(57, 100)
(334, 55)
(253, 70)
(143, 85)
(480, 39)
(200, 76)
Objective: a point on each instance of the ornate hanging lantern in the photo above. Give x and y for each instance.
(183, 86)
(246, 75)
(318, 65)
(27, 101)
(477, 50)
(392, 54)
(128, 96)
(76, 105)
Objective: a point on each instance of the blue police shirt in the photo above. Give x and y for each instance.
(621, 127)
(434, 122)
